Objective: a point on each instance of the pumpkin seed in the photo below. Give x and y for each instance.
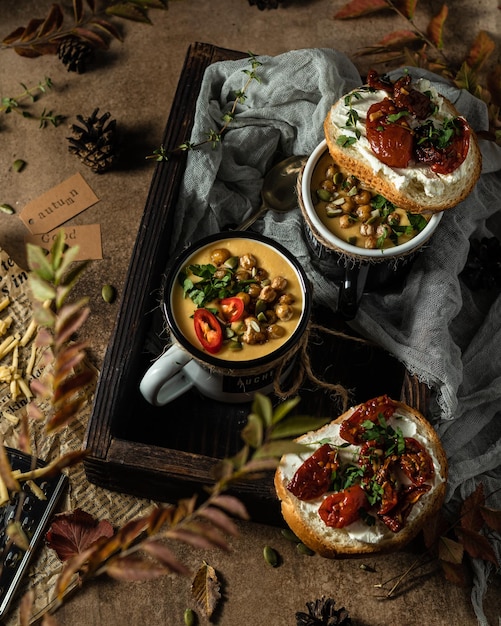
(6, 208)
(289, 535)
(303, 549)
(108, 293)
(270, 556)
(18, 165)
(190, 617)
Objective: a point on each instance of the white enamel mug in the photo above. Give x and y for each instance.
(185, 366)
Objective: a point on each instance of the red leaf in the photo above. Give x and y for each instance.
(14, 35)
(455, 573)
(477, 546)
(436, 27)
(399, 39)
(357, 8)
(31, 30)
(471, 518)
(407, 7)
(492, 517)
(72, 533)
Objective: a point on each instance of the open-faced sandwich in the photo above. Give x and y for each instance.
(369, 482)
(406, 141)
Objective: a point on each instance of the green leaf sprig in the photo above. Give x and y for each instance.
(212, 136)
(15, 104)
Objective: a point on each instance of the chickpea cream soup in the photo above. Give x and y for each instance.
(237, 299)
(357, 215)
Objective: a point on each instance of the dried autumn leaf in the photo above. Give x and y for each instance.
(31, 30)
(450, 551)
(407, 7)
(78, 10)
(466, 78)
(494, 84)
(52, 22)
(492, 517)
(205, 589)
(90, 37)
(127, 11)
(64, 415)
(198, 536)
(435, 28)
(481, 50)
(455, 573)
(73, 533)
(478, 546)
(358, 8)
(72, 385)
(399, 39)
(16, 533)
(166, 557)
(231, 505)
(220, 520)
(471, 518)
(70, 319)
(107, 27)
(132, 568)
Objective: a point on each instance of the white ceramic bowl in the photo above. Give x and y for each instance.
(325, 238)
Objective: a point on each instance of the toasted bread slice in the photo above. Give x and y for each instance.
(415, 188)
(359, 538)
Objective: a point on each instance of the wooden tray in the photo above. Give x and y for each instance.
(168, 453)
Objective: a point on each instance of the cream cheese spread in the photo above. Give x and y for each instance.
(359, 530)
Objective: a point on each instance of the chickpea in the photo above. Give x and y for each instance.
(363, 197)
(348, 205)
(279, 283)
(245, 297)
(248, 261)
(366, 229)
(363, 212)
(219, 256)
(382, 230)
(259, 273)
(371, 242)
(254, 290)
(345, 221)
(253, 333)
(330, 171)
(393, 219)
(271, 316)
(242, 275)
(268, 294)
(284, 312)
(274, 331)
(286, 298)
(220, 273)
(328, 185)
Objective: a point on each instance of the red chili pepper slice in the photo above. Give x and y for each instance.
(313, 478)
(343, 507)
(232, 308)
(208, 330)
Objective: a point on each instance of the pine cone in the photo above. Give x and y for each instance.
(322, 613)
(75, 53)
(265, 4)
(95, 143)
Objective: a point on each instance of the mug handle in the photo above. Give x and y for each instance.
(351, 289)
(165, 380)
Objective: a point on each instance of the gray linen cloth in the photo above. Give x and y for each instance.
(447, 335)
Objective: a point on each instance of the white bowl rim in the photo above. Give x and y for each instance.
(340, 244)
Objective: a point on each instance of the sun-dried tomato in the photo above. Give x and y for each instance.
(389, 135)
(352, 429)
(407, 498)
(443, 159)
(416, 462)
(344, 507)
(313, 478)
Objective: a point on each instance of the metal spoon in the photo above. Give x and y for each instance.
(279, 186)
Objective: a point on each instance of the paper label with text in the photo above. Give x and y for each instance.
(58, 205)
(87, 237)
